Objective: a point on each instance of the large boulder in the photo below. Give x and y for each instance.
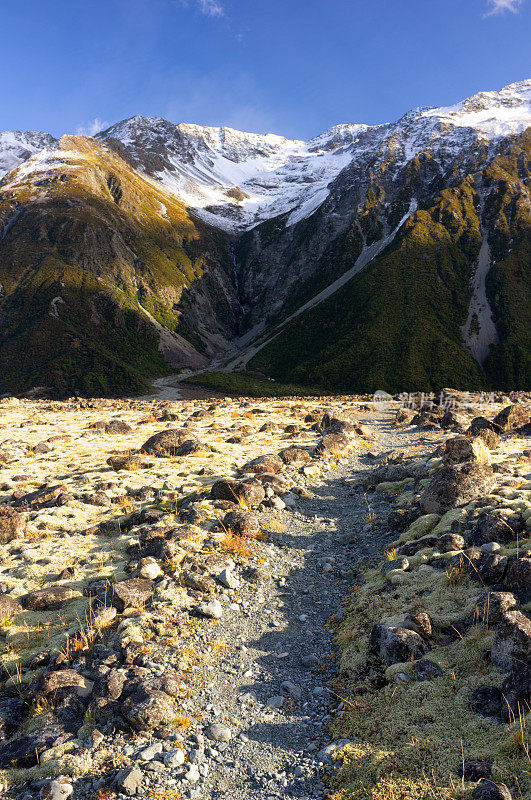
(332, 444)
(511, 648)
(518, 578)
(479, 424)
(490, 606)
(43, 497)
(456, 485)
(12, 524)
(396, 645)
(490, 568)
(9, 607)
(251, 493)
(268, 463)
(491, 526)
(173, 442)
(488, 790)
(42, 599)
(466, 448)
(25, 751)
(295, 456)
(133, 592)
(146, 708)
(241, 523)
(513, 416)
(516, 691)
(54, 682)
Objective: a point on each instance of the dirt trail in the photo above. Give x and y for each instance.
(268, 680)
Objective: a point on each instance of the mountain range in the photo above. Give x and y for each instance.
(392, 256)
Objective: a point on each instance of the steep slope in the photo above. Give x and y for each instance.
(427, 150)
(99, 266)
(397, 325)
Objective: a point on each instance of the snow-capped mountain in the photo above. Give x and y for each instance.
(388, 256)
(235, 180)
(16, 147)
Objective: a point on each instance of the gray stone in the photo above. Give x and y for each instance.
(211, 609)
(149, 753)
(395, 645)
(511, 647)
(218, 732)
(129, 781)
(174, 759)
(325, 755)
(56, 790)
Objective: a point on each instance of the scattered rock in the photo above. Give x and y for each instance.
(465, 448)
(12, 524)
(218, 732)
(133, 592)
(396, 645)
(455, 485)
(211, 609)
(511, 647)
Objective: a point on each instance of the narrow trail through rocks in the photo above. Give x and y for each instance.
(272, 656)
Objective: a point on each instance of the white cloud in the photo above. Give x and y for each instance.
(500, 6)
(92, 128)
(211, 8)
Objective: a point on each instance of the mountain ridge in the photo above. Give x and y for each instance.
(277, 227)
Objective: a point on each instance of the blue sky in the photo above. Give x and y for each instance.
(285, 66)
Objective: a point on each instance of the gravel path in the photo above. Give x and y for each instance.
(268, 685)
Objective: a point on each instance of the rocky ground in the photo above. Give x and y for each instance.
(214, 598)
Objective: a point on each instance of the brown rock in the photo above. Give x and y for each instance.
(332, 444)
(295, 456)
(449, 542)
(9, 607)
(12, 524)
(512, 417)
(127, 462)
(52, 597)
(456, 485)
(167, 443)
(267, 463)
(250, 492)
(241, 524)
(465, 448)
(41, 498)
(66, 679)
(132, 592)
